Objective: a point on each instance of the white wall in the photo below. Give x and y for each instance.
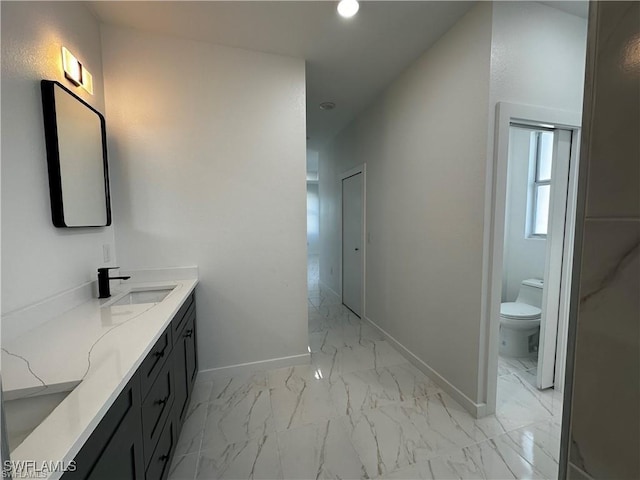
(537, 56)
(208, 157)
(313, 219)
(424, 142)
(39, 260)
(524, 257)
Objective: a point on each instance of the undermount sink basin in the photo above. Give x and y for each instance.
(136, 297)
(24, 414)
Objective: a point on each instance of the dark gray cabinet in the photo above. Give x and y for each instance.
(160, 461)
(185, 362)
(115, 448)
(156, 408)
(154, 361)
(136, 438)
(191, 352)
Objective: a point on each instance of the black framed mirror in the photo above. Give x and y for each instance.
(76, 144)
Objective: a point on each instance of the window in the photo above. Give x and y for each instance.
(542, 148)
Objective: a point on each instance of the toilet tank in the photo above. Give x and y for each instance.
(531, 292)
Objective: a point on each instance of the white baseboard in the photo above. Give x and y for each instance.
(478, 410)
(272, 363)
(331, 290)
(576, 473)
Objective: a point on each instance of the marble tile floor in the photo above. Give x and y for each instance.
(508, 365)
(360, 410)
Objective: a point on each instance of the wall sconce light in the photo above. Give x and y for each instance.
(72, 67)
(75, 72)
(87, 81)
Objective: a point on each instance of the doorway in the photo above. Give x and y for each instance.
(546, 221)
(536, 208)
(353, 219)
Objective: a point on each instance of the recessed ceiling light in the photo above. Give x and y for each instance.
(327, 106)
(348, 8)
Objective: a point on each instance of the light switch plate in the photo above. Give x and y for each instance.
(106, 252)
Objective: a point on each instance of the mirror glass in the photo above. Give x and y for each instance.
(76, 155)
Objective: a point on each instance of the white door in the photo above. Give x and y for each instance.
(556, 237)
(352, 242)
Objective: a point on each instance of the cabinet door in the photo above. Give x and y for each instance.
(185, 365)
(158, 468)
(156, 408)
(154, 361)
(114, 449)
(181, 401)
(191, 353)
(122, 457)
(180, 319)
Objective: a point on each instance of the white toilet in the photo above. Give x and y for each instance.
(520, 321)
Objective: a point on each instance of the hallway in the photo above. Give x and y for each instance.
(360, 410)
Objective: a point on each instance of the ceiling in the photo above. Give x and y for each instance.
(349, 61)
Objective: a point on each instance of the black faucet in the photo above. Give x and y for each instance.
(104, 291)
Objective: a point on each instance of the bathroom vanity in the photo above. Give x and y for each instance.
(138, 434)
(102, 390)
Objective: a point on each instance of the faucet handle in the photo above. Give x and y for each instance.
(106, 269)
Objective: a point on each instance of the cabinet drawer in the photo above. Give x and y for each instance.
(158, 468)
(154, 361)
(156, 408)
(180, 318)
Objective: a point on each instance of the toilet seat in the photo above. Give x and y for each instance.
(519, 311)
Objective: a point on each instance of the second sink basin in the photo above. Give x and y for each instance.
(144, 296)
(24, 414)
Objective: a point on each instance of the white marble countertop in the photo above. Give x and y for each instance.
(96, 344)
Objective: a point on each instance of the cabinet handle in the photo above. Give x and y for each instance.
(159, 354)
(162, 401)
(188, 333)
(163, 458)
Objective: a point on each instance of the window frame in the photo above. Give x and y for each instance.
(536, 184)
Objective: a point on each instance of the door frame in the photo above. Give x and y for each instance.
(495, 203)
(343, 176)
